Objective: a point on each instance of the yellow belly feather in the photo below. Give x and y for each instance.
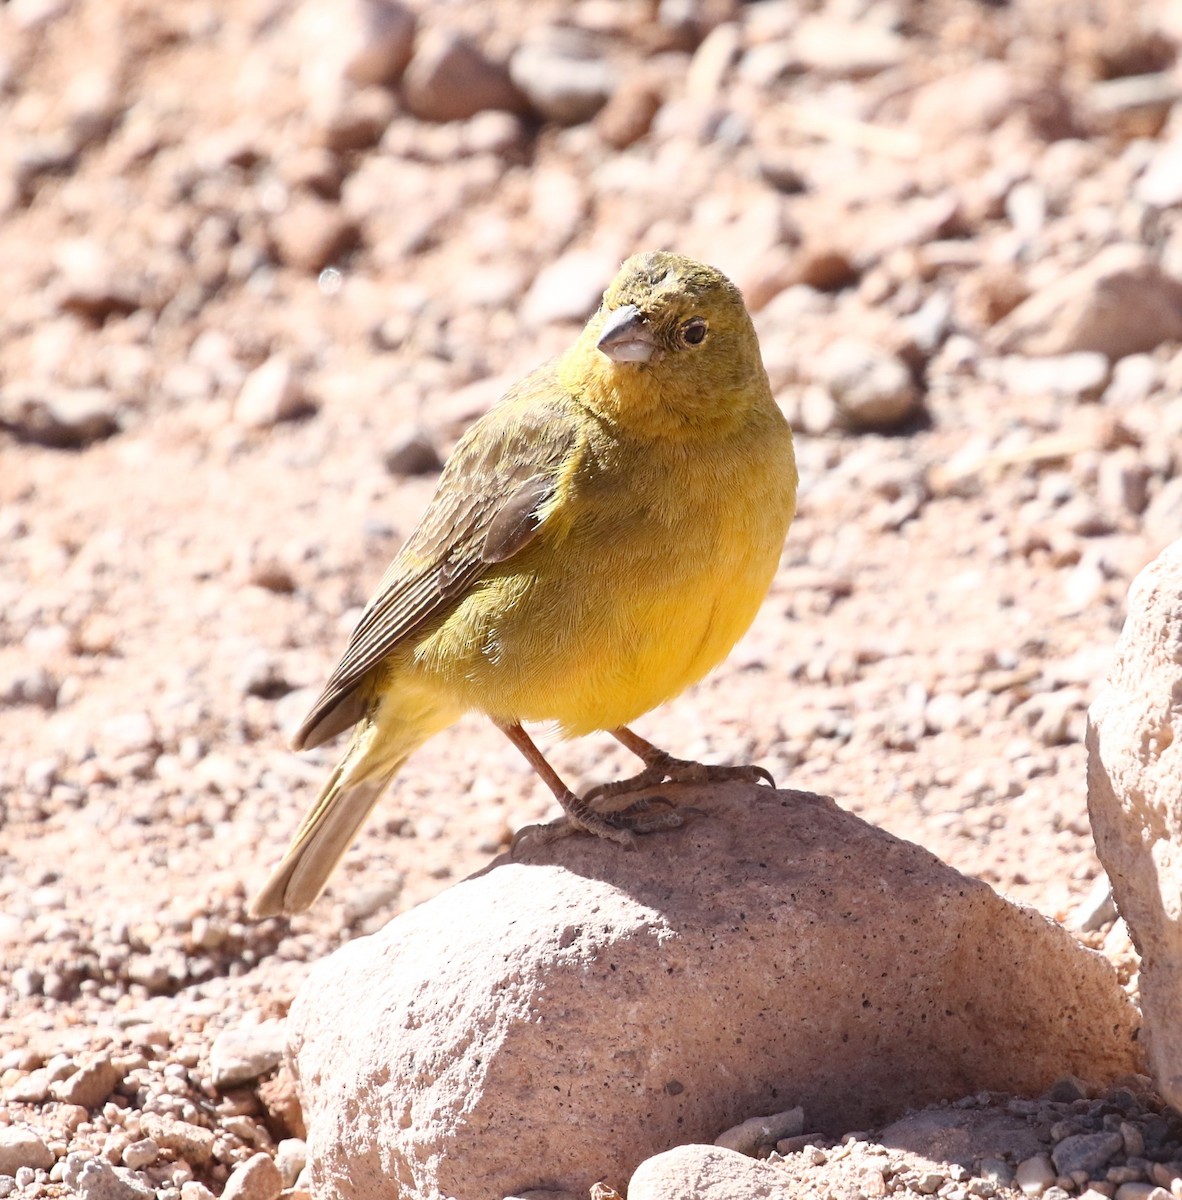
(623, 618)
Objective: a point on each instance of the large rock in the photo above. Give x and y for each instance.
(1120, 303)
(1135, 799)
(556, 1020)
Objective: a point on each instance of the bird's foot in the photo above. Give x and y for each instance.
(667, 769)
(646, 814)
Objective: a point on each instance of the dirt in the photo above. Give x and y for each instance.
(191, 193)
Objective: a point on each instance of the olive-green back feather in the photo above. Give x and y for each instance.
(494, 483)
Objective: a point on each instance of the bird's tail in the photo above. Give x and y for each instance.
(330, 826)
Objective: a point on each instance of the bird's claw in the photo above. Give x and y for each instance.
(645, 814)
(708, 773)
(667, 769)
(650, 777)
(648, 814)
(543, 833)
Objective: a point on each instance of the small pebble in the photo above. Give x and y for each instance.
(261, 674)
(63, 419)
(95, 1179)
(90, 1085)
(193, 1143)
(412, 452)
(245, 1053)
(31, 685)
(873, 389)
(291, 1156)
(1035, 1175)
(1067, 1090)
(1088, 1152)
(1165, 1174)
(140, 1154)
(1134, 1140)
(127, 733)
(563, 76)
(34, 1087)
(997, 1171)
(22, 1147)
(195, 1191)
(256, 1179)
(1141, 1191)
(271, 393)
(757, 1132)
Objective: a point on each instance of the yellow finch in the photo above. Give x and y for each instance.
(597, 542)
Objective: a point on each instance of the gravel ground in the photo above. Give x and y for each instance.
(254, 290)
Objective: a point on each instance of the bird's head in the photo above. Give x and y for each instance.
(672, 343)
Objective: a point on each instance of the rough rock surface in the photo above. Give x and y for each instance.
(979, 1146)
(555, 1020)
(1135, 799)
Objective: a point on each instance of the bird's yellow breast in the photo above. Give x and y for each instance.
(650, 566)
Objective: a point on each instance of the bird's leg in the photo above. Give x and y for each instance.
(660, 767)
(580, 816)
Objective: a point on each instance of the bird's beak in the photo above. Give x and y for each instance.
(626, 337)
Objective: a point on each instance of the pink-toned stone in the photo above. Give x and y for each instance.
(607, 1006)
(1135, 799)
(450, 79)
(311, 233)
(708, 1173)
(256, 1179)
(359, 43)
(1120, 303)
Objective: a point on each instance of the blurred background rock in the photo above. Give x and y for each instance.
(261, 262)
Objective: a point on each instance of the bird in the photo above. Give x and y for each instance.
(597, 542)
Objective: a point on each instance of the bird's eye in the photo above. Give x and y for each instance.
(693, 332)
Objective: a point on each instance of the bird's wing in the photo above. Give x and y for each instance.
(487, 507)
